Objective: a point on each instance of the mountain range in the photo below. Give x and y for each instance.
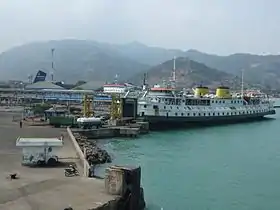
(100, 62)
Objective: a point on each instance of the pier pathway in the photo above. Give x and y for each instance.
(42, 188)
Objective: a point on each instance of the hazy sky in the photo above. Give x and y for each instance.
(215, 26)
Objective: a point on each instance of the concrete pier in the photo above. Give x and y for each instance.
(131, 130)
(44, 188)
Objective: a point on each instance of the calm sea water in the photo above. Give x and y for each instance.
(231, 167)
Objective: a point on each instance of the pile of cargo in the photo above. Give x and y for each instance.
(94, 154)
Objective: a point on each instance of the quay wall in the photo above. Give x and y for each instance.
(79, 152)
(120, 202)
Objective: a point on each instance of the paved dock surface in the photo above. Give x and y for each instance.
(42, 188)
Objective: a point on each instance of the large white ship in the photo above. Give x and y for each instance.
(162, 105)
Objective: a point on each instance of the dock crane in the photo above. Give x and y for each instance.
(88, 106)
(116, 107)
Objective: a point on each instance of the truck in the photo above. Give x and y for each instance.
(60, 121)
(39, 151)
(89, 122)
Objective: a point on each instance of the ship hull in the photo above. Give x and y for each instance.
(163, 122)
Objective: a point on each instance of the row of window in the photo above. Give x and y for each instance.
(189, 108)
(219, 114)
(202, 102)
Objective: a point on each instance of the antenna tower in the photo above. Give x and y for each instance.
(52, 73)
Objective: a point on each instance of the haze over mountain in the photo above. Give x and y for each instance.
(189, 73)
(99, 62)
(73, 60)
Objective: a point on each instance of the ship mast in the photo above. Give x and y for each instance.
(174, 73)
(242, 83)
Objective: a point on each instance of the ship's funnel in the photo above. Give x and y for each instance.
(223, 92)
(201, 91)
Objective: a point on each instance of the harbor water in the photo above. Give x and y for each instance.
(232, 167)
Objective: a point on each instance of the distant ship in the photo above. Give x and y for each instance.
(163, 105)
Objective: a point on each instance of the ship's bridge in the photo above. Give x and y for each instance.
(159, 91)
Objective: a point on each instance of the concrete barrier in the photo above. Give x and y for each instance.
(80, 153)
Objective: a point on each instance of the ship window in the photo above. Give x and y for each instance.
(223, 113)
(183, 101)
(219, 101)
(227, 113)
(204, 114)
(193, 114)
(182, 114)
(170, 107)
(223, 101)
(209, 113)
(218, 113)
(198, 114)
(213, 114)
(164, 107)
(145, 106)
(188, 114)
(177, 107)
(216, 101)
(176, 114)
